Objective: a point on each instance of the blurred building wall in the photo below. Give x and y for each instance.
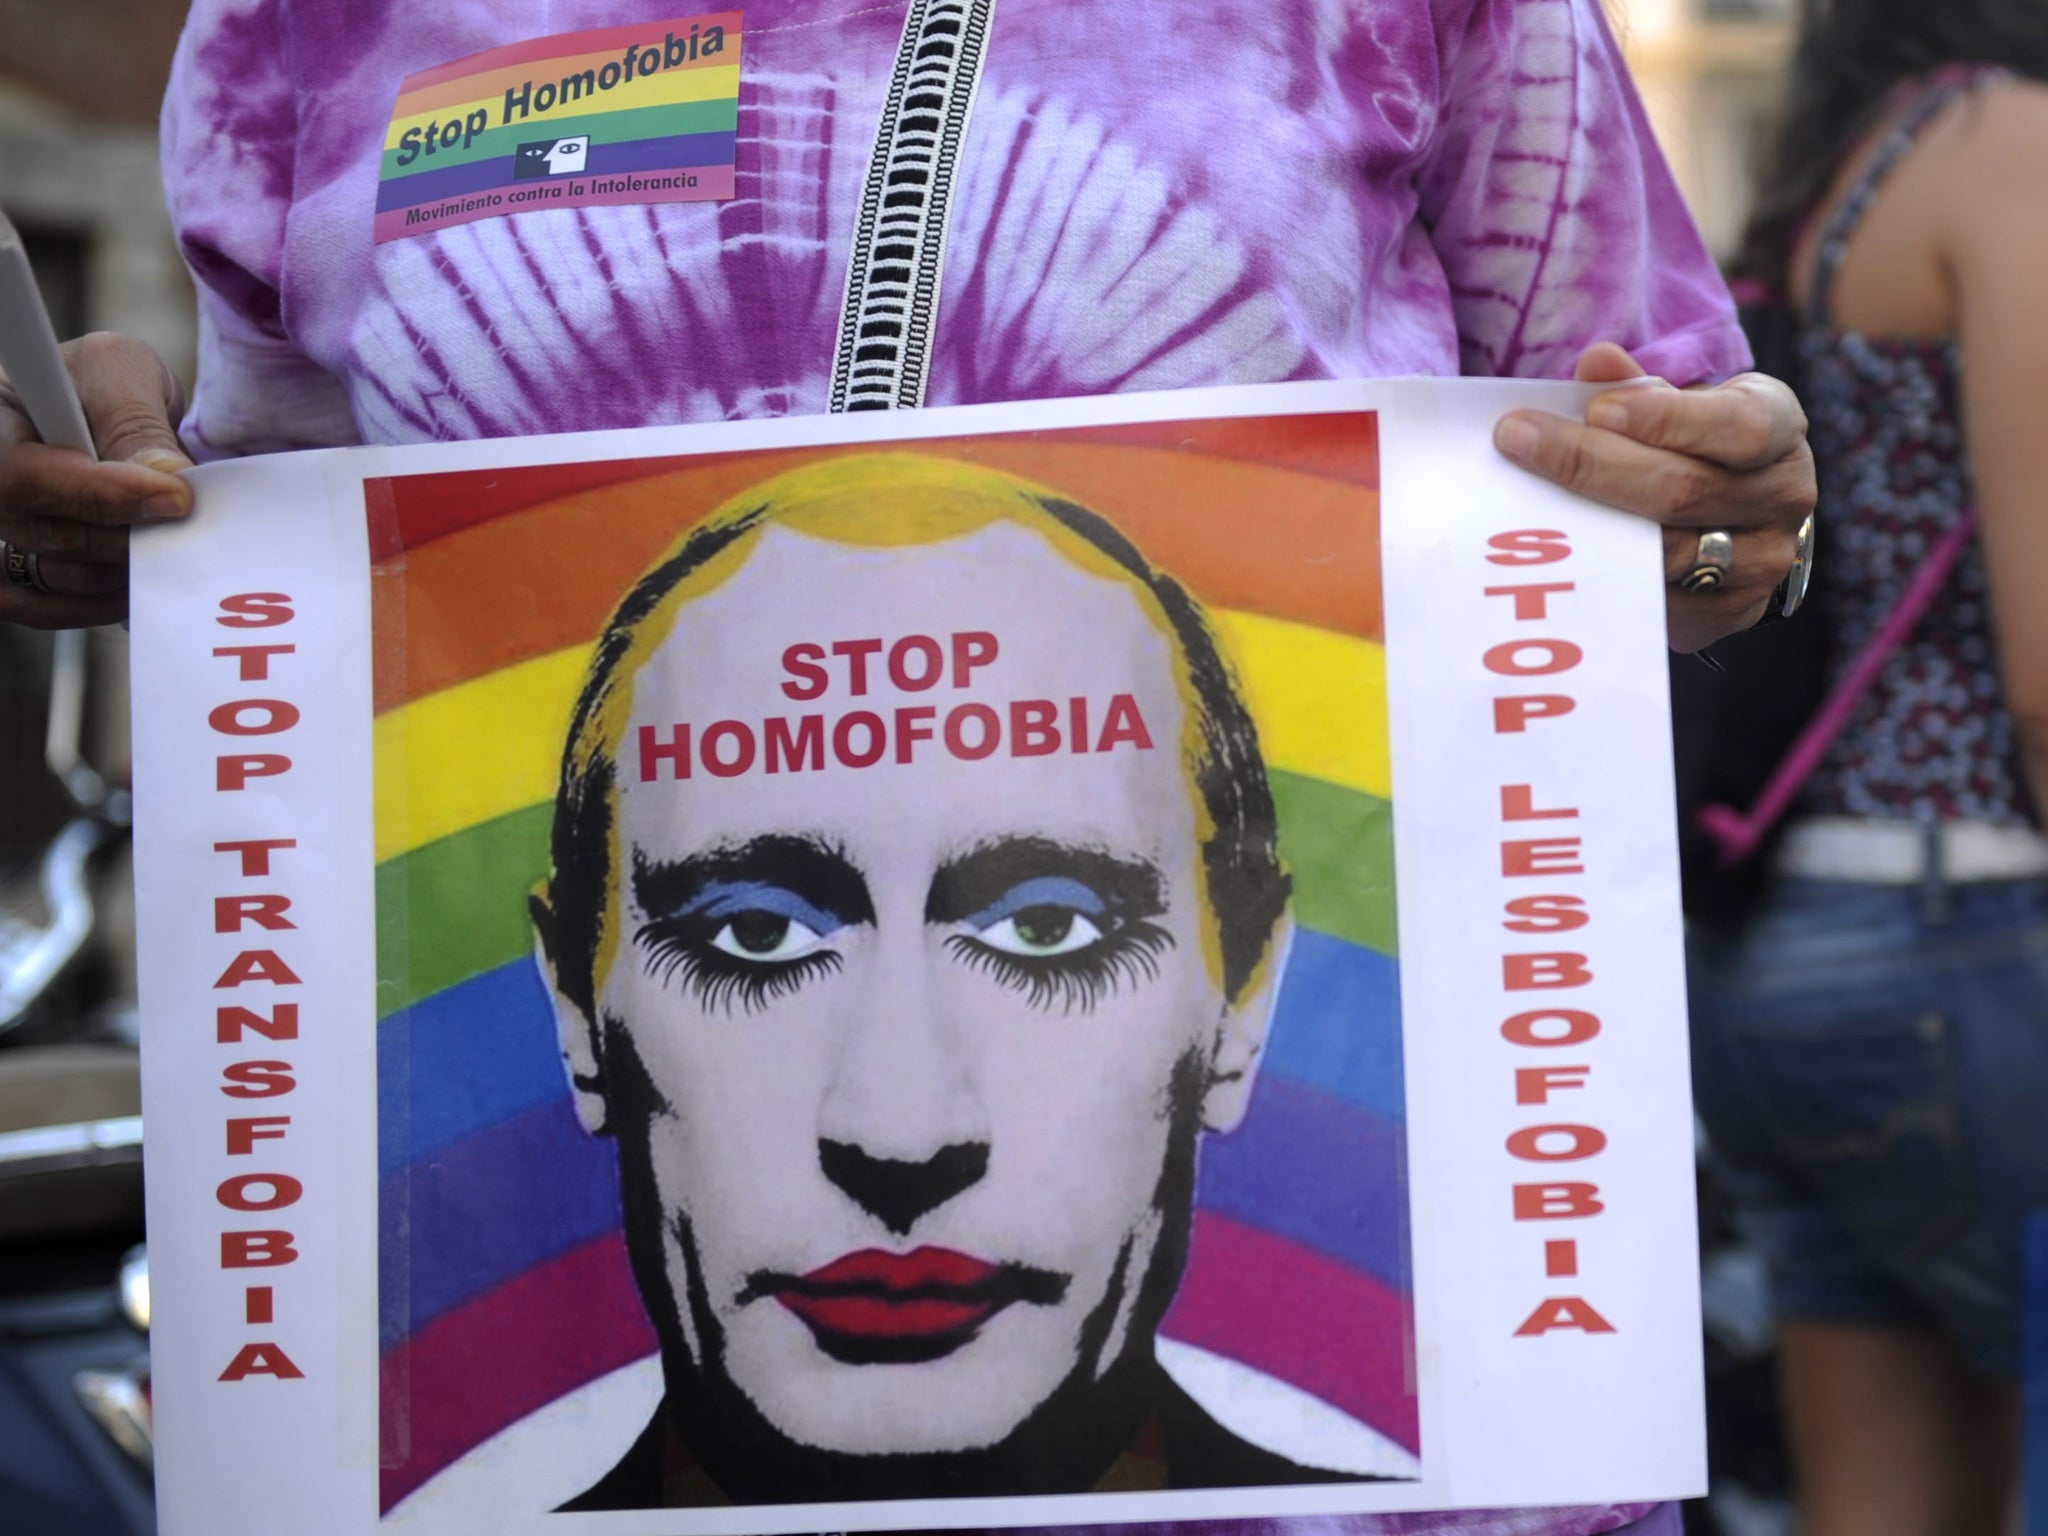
(1710, 72)
(80, 83)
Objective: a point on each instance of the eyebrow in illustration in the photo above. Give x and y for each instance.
(810, 867)
(979, 878)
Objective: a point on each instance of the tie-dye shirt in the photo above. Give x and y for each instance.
(1147, 196)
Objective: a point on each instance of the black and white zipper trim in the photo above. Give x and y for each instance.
(883, 359)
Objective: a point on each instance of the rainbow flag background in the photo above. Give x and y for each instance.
(640, 114)
(503, 1277)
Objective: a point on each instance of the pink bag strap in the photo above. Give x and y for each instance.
(1736, 833)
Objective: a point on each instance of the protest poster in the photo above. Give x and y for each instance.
(1096, 961)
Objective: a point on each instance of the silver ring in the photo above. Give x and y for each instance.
(1711, 563)
(1800, 577)
(23, 569)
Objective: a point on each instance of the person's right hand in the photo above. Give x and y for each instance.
(73, 514)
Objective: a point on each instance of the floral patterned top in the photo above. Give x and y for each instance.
(1932, 739)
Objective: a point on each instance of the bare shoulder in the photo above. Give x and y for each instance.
(1996, 140)
(1983, 182)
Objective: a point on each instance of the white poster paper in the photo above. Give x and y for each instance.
(1105, 960)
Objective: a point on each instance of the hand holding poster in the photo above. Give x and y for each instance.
(842, 973)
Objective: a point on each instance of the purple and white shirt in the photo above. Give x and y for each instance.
(1145, 197)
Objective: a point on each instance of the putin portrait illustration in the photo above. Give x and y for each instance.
(915, 911)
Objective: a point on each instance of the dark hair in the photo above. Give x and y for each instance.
(1851, 54)
(1247, 886)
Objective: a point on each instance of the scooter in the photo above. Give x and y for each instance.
(75, 1426)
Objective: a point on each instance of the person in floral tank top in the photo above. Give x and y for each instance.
(1869, 1045)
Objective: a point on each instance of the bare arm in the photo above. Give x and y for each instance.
(1996, 248)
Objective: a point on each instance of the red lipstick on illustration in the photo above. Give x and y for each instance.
(878, 1308)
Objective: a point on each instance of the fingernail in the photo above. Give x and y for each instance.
(1608, 415)
(165, 508)
(163, 460)
(1516, 438)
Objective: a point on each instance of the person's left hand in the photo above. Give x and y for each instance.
(1731, 457)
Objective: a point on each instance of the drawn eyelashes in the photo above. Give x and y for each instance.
(1061, 943)
(1073, 979)
(742, 944)
(1055, 940)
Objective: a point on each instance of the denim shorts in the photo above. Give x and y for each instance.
(1872, 1069)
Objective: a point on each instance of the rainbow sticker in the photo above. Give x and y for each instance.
(639, 114)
